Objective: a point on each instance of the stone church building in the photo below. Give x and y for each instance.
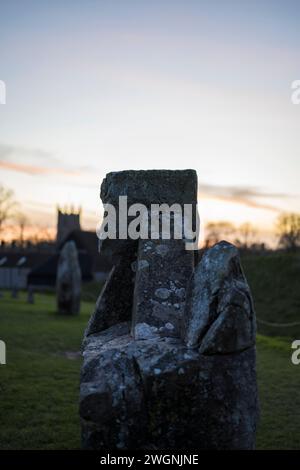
(23, 267)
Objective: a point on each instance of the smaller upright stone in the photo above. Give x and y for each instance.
(68, 280)
(219, 316)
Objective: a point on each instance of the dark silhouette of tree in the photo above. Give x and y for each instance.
(217, 231)
(21, 221)
(288, 229)
(7, 205)
(247, 234)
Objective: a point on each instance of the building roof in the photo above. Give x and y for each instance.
(43, 266)
(84, 240)
(45, 273)
(90, 260)
(87, 242)
(22, 259)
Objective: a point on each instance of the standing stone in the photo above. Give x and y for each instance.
(174, 367)
(68, 280)
(219, 312)
(30, 295)
(14, 292)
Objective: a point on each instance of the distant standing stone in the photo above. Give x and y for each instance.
(30, 295)
(68, 280)
(14, 293)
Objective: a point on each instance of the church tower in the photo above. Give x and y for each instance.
(67, 221)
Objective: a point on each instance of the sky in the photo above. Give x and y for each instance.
(99, 86)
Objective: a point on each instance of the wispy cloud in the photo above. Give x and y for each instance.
(33, 161)
(8, 152)
(248, 196)
(34, 169)
(38, 162)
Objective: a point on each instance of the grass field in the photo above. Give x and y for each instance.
(39, 385)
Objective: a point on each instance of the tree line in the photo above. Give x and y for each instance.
(287, 226)
(10, 211)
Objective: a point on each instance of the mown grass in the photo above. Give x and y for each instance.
(278, 382)
(39, 385)
(274, 280)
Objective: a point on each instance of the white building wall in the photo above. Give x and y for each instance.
(13, 277)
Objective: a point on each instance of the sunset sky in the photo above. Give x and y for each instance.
(99, 86)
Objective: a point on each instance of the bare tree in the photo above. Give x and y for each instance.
(21, 221)
(288, 229)
(41, 234)
(45, 235)
(247, 233)
(7, 205)
(217, 231)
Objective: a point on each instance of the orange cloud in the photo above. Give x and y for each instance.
(241, 200)
(34, 169)
(246, 196)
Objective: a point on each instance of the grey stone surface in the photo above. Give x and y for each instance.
(146, 187)
(169, 353)
(68, 280)
(161, 280)
(114, 303)
(150, 187)
(219, 313)
(156, 393)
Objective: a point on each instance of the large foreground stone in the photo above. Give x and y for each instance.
(159, 394)
(169, 353)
